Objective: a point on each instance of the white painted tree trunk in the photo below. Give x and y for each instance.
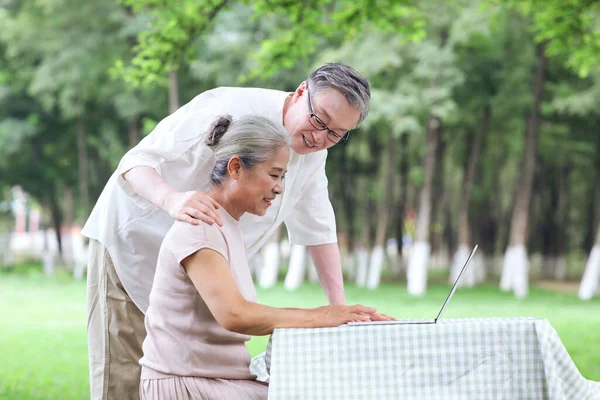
(417, 268)
(479, 266)
(506, 283)
(268, 273)
(349, 265)
(80, 263)
(296, 268)
(469, 279)
(5, 249)
(591, 277)
(48, 259)
(375, 268)
(362, 263)
(560, 268)
(516, 268)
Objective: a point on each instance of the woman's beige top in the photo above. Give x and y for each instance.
(183, 338)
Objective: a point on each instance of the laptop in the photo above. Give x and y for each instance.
(424, 321)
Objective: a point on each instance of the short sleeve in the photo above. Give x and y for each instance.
(312, 220)
(173, 137)
(185, 239)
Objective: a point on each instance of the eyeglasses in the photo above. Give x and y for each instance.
(319, 125)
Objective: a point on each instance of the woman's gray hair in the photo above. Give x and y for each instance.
(253, 139)
(350, 83)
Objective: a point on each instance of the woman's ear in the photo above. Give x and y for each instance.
(234, 167)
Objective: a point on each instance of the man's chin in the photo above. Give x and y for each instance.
(300, 148)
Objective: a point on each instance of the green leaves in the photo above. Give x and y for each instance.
(571, 28)
(167, 40)
(308, 22)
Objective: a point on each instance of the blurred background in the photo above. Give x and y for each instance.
(484, 129)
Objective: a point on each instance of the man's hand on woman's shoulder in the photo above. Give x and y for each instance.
(192, 207)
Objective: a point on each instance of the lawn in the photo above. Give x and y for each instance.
(43, 345)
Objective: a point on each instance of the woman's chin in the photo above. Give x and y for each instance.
(258, 211)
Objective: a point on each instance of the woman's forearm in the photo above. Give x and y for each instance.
(258, 320)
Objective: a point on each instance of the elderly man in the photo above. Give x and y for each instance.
(165, 178)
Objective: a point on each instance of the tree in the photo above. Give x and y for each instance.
(515, 270)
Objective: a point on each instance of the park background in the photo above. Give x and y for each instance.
(484, 129)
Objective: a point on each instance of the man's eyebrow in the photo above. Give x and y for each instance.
(322, 110)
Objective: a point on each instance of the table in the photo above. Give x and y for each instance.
(484, 358)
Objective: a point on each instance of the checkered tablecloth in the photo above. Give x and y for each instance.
(507, 358)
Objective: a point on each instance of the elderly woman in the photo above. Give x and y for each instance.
(203, 303)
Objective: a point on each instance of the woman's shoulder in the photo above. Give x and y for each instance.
(183, 235)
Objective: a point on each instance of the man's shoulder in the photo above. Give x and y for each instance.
(238, 101)
(232, 93)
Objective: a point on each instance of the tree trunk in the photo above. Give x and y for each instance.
(464, 237)
(83, 168)
(552, 230)
(419, 256)
(515, 270)
(69, 206)
(438, 196)
(401, 212)
(134, 132)
(424, 215)
(348, 191)
(67, 223)
(57, 220)
(560, 271)
(362, 250)
(588, 241)
(383, 216)
(173, 92)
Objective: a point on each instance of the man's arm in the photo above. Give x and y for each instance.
(191, 207)
(329, 269)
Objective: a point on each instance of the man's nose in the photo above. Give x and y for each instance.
(318, 137)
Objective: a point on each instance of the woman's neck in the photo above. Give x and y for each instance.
(226, 200)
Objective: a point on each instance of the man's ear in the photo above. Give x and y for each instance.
(234, 167)
(299, 91)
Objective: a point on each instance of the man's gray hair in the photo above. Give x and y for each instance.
(350, 83)
(253, 139)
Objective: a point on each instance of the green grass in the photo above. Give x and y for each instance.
(43, 344)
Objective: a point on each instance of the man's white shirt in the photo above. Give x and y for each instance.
(132, 228)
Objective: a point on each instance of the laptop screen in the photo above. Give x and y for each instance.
(462, 271)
